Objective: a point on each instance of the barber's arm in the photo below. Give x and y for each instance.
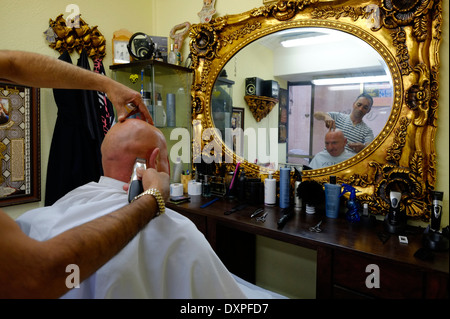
(357, 147)
(36, 70)
(33, 269)
(323, 116)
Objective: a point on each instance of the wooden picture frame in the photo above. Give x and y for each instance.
(237, 117)
(20, 165)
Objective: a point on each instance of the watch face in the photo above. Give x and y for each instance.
(121, 54)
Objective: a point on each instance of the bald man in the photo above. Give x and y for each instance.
(131, 139)
(169, 258)
(334, 152)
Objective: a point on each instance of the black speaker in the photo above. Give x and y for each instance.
(270, 88)
(253, 86)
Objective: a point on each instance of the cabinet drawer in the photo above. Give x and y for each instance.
(349, 271)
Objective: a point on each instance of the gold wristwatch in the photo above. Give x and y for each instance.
(158, 197)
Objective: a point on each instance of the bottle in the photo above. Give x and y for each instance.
(177, 54)
(285, 177)
(183, 105)
(332, 198)
(206, 188)
(270, 191)
(365, 211)
(298, 205)
(171, 115)
(148, 103)
(177, 169)
(160, 113)
(172, 57)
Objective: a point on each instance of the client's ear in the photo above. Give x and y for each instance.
(154, 158)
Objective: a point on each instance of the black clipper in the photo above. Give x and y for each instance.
(136, 184)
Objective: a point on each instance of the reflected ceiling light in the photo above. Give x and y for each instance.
(345, 87)
(296, 42)
(351, 80)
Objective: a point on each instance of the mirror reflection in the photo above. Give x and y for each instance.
(315, 77)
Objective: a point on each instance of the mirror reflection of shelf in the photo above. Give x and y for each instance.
(260, 106)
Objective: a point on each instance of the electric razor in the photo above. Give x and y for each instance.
(136, 187)
(395, 220)
(436, 210)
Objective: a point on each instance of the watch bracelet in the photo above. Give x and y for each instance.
(158, 197)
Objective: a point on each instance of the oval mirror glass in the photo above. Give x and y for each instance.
(301, 71)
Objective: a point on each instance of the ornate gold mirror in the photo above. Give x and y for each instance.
(405, 35)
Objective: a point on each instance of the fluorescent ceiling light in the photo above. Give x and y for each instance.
(351, 80)
(345, 87)
(296, 42)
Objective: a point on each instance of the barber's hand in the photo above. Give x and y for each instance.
(121, 95)
(159, 180)
(356, 147)
(330, 124)
(151, 178)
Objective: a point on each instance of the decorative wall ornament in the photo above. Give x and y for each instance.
(207, 11)
(63, 38)
(179, 32)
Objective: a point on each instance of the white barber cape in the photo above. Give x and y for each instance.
(169, 258)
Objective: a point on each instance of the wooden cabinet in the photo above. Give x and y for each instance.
(346, 253)
(375, 277)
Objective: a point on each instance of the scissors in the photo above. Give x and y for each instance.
(316, 228)
(262, 218)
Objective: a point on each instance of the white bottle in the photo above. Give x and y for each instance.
(172, 57)
(270, 191)
(177, 169)
(160, 113)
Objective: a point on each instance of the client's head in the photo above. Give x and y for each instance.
(126, 141)
(335, 142)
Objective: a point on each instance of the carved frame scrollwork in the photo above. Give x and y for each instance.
(406, 34)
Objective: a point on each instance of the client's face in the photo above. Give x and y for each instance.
(335, 143)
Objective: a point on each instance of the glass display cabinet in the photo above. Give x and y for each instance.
(166, 91)
(222, 103)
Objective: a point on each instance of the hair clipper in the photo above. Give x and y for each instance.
(136, 187)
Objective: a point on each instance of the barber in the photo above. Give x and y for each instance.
(32, 269)
(358, 133)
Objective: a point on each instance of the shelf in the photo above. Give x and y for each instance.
(145, 63)
(260, 106)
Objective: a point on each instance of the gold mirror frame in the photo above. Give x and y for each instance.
(407, 36)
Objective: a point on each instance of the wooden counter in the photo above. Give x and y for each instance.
(344, 250)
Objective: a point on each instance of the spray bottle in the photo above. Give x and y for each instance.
(352, 213)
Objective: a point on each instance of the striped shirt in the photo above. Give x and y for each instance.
(360, 132)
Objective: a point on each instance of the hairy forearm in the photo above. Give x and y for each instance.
(41, 71)
(322, 116)
(37, 70)
(91, 245)
(38, 269)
